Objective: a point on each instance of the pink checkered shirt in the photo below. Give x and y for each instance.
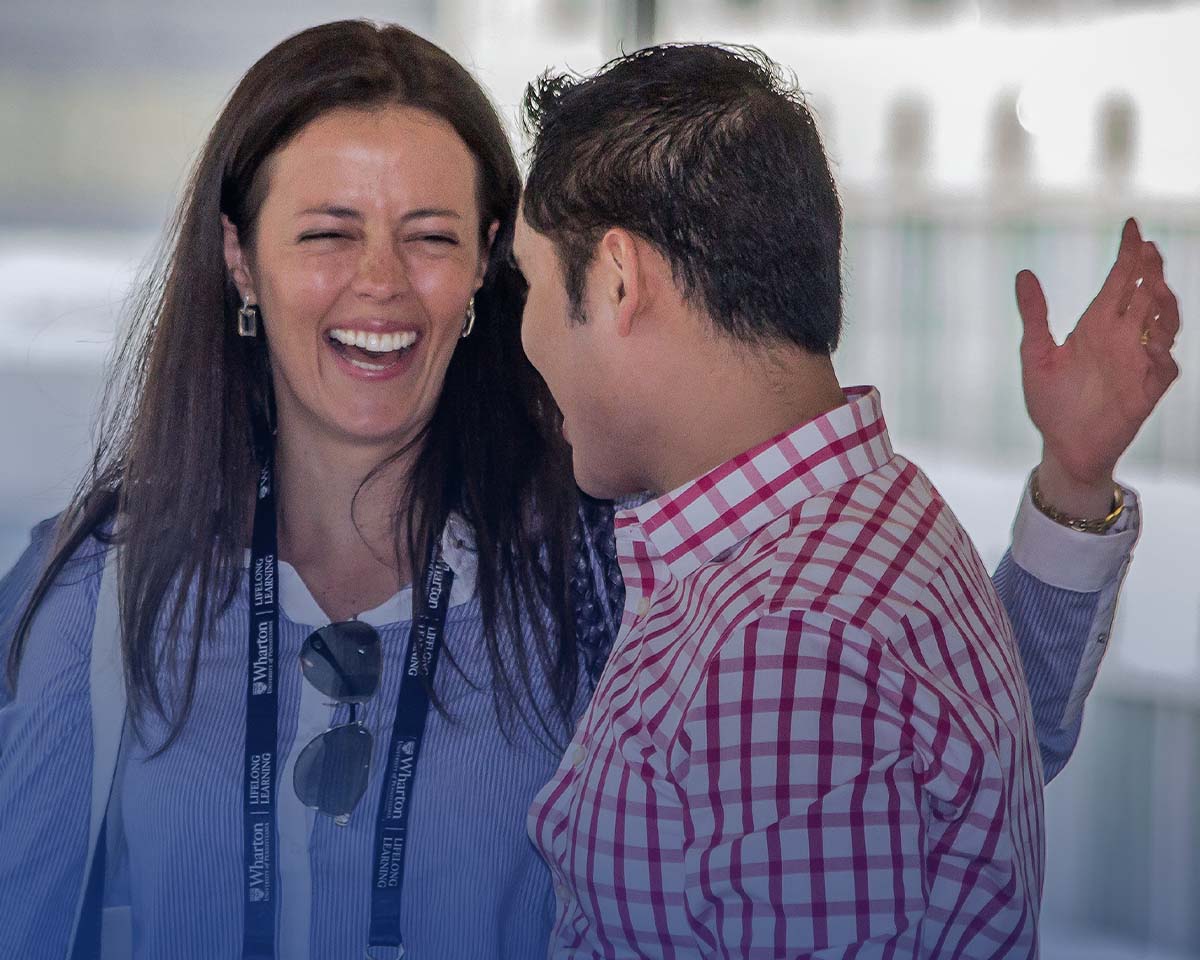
(812, 737)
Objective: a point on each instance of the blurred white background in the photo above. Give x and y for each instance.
(970, 137)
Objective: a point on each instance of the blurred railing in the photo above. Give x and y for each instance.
(931, 315)
(931, 319)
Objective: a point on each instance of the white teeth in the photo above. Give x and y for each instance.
(363, 365)
(375, 342)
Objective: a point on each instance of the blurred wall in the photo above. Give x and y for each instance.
(103, 104)
(970, 139)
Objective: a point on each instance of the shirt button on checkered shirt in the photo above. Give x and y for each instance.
(815, 736)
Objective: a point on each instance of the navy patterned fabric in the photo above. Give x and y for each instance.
(597, 589)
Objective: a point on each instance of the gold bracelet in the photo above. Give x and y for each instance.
(1100, 525)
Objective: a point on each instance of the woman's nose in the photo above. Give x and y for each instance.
(382, 273)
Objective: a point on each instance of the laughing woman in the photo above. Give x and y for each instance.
(328, 372)
(358, 600)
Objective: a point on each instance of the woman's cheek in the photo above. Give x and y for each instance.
(324, 278)
(441, 283)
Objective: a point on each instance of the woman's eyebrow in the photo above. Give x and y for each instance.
(432, 212)
(331, 210)
(349, 213)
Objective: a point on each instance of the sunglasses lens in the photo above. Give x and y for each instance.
(331, 772)
(343, 661)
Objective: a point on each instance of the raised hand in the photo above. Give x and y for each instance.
(1089, 397)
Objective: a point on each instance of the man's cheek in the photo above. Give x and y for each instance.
(553, 362)
(529, 341)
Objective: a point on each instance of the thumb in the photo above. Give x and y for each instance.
(1036, 342)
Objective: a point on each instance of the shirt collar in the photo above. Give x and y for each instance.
(297, 603)
(701, 519)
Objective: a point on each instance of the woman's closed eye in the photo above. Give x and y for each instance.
(323, 235)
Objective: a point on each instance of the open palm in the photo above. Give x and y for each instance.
(1090, 395)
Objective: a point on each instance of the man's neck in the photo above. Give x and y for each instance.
(730, 401)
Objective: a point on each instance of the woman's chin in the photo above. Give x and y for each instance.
(382, 431)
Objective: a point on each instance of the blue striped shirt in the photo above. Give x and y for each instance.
(474, 885)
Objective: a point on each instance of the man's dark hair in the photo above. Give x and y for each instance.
(710, 154)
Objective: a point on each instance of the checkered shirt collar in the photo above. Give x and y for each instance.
(705, 517)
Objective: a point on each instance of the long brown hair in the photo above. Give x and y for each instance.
(189, 404)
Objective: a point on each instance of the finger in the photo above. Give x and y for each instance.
(1158, 337)
(1147, 267)
(1158, 351)
(1036, 342)
(1131, 236)
(1150, 263)
(1165, 321)
(1121, 275)
(1147, 270)
(1140, 310)
(1152, 257)
(1162, 373)
(1133, 283)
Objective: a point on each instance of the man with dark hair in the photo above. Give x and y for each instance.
(718, 164)
(812, 735)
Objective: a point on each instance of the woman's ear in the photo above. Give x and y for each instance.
(235, 260)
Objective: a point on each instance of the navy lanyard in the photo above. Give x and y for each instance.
(259, 878)
(391, 824)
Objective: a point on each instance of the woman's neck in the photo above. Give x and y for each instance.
(337, 520)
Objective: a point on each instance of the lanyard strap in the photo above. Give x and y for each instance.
(408, 730)
(258, 803)
(412, 710)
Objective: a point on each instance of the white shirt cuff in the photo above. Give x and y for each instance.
(1069, 559)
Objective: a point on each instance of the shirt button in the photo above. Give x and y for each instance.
(643, 606)
(578, 755)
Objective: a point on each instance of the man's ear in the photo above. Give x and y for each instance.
(235, 260)
(619, 271)
(485, 253)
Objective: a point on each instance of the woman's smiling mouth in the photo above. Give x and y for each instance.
(370, 351)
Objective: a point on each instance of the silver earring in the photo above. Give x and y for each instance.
(469, 323)
(248, 319)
